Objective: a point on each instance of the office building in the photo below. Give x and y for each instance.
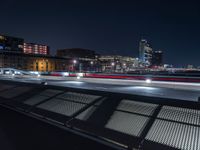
(117, 63)
(33, 48)
(15, 53)
(32, 62)
(157, 59)
(145, 52)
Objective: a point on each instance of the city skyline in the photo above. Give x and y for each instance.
(108, 27)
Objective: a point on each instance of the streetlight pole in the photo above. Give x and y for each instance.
(91, 63)
(74, 65)
(113, 66)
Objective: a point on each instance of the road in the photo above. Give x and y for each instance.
(181, 94)
(174, 90)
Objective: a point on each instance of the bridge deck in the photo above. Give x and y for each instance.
(119, 120)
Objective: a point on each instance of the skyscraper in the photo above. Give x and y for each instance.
(157, 59)
(145, 52)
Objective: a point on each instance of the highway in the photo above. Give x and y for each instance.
(181, 94)
(173, 90)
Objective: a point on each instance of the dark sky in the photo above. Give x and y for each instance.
(109, 27)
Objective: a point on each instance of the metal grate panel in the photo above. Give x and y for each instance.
(61, 106)
(5, 87)
(137, 107)
(127, 123)
(176, 135)
(35, 100)
(15, 92)
(50, 92)
(87, 113)
(78, 97)
(190, 116)
(99, 103)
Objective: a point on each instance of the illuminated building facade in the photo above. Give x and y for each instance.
(117, 63)
(33, 62)
(15, 53)
(145, 52)
(33, 48)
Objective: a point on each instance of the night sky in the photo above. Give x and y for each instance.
(109, 27)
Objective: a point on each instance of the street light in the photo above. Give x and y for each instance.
(91, 67)
(124, 67)
(113, 68)
(148, 81)
(74, 61)
(74, 64)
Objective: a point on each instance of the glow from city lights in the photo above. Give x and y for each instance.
(7, 72)
(74, 82)
(80, 74)
(17, 72)
(66, 74)
(112, 63)
(78, 77)
(34, 72)
(144, 88)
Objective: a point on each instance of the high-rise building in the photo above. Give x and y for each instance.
(33, 48)
(157, 59)
(145, 52)
(11, 44)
